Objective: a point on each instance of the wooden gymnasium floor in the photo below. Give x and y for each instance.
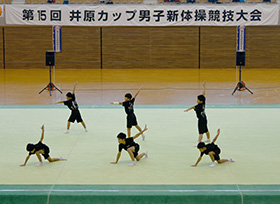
(249, 133)
(165, 86)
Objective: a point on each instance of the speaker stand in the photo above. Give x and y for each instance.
(50, 87)
(241, 85)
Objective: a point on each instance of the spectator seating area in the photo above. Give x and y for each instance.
(82, 1)
(5, 1)
(136, 1)
(216, 1)
(74, 1)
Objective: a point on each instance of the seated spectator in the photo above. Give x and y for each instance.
(109, 2)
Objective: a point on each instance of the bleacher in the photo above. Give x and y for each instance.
(82, 1)
(217, 1)
(5, 1)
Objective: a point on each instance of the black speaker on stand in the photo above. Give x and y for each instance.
(50, 58)
(240, 58)
(50, 61)
(240, 61)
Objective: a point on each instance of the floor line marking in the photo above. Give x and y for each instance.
(59, 190)
(52, 188)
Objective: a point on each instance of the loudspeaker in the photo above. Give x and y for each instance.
(240, 58)
(50, 58)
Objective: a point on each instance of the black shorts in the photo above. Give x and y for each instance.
(202, 126)
(46, 152)
(137, 148)
(75, 115)
(131, 120)
(217, 153)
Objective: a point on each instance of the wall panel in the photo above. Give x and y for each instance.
(263, 47)
(25, 46)
(218, 47)
(140, 47)
(80, 48)
(150, 47)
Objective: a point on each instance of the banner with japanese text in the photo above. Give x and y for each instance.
(57, 44)
(143, 15)
(1, 10)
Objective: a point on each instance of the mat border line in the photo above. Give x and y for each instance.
(110, 191)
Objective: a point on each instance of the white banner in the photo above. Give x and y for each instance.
(241, 38)
(57, 46)
(143, 15)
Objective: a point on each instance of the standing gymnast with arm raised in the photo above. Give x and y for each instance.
(129, 110)
(72, 104)
(201, 116)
